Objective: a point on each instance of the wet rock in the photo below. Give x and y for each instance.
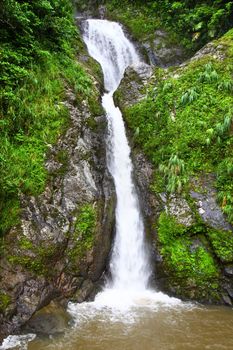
(205, 197)
(84, 292)
(150, 203)
(50, 320)
(227, 300)
(102, 11)
(130, 89)
(179, 208)
(228, 270)
(163, 52)
(229, 290)
(196, 243)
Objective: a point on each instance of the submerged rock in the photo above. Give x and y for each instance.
(50, 320)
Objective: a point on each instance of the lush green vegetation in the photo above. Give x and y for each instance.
(184, 125)
(222, 243)
(39, 43)
(194, 22)
(184, 259)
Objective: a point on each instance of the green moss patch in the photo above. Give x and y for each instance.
(84, 235)
(185, 259)
(35, 258)
(222, 243)
(4, 301)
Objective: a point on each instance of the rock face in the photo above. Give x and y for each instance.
(200, 238)
(135, 79)
(205, 200)
(61, 247)
(161, 52)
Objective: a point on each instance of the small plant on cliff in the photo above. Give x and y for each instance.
(189, 96)
(209, 75)
(174, 172)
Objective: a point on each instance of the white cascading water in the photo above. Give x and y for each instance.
(129, 266)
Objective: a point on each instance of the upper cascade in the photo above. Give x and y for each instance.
(107, 44)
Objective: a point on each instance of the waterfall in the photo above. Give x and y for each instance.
(129, 266)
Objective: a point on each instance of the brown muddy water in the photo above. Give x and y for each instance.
(180, 327)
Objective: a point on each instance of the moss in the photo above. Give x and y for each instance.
(35, 258)
(169, 229)
(9, 213)
(95, 106)
(84, 235)
(4, 301)
(222, 243)
(187, 261)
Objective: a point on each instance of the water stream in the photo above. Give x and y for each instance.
(129, 265)
(107, 43)
(127, 314)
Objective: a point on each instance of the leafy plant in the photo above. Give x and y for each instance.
(189, 96)
(174, 172)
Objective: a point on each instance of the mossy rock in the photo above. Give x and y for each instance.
(222, 243)
(5, 300)
(187, 261)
